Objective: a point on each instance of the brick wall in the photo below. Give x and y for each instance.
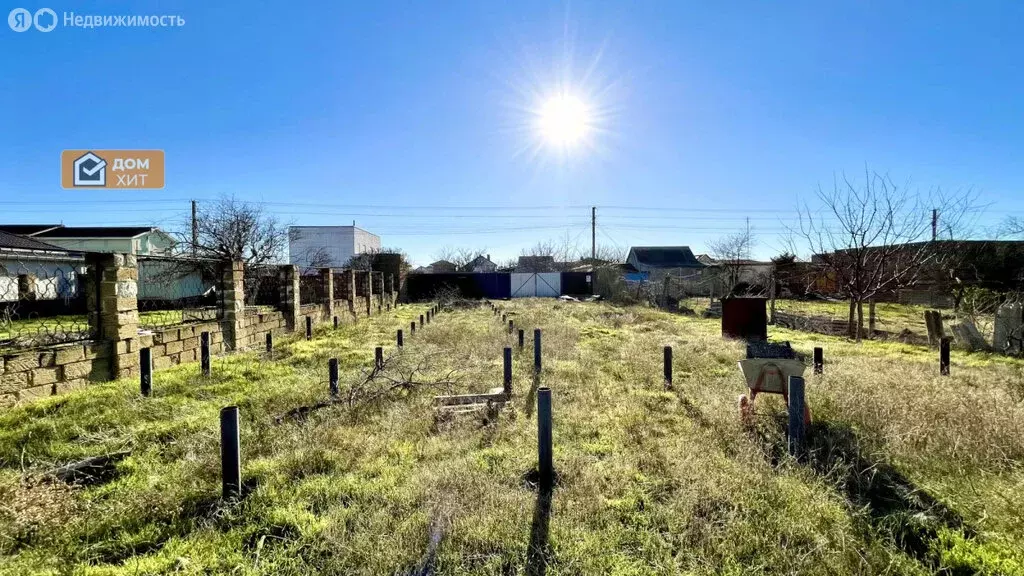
(113, 310)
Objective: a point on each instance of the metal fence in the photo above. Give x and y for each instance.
(174, 291)
(42, 301)
(311, 289)
(262, 287)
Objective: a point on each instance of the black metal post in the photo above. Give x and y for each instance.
(819, 360)
(536, 350)
(508, 370)
(204, 353)
(378, 357)
(510, 327)
(796, 415)
(230, 452)
(145, 371)
(270, 342)
(522, 334)
(412, 328)
(545, 464)
(309, 327)
(332, 375)
(335, 322)
(668, 367)
(944, 356)
(399, 338)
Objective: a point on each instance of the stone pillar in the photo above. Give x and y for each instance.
(290, 296)
(233, 323)
(350, 278)
(327, 276)
(369, 293)
(114, 309)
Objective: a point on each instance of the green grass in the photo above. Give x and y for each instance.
(40, 331)
(912, 473)
(890, 317)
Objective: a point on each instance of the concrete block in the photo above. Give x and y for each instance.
(41, 376)
(76, 370)
(35, 393)
(157, 350)
(101, 371)
(13, 381)
(190, 343)
(162, 362)
(68, 386)
(174, 347)
(21, 362)
(8, 400)
(96, 350)
(48, 359)
(70, 354)
(190, 355)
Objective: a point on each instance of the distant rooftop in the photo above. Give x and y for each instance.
(665, 256)
(17, 242)
(61, 231)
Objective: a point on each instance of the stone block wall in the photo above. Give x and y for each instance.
(111, 295)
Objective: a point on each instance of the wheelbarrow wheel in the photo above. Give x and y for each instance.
(746, 410)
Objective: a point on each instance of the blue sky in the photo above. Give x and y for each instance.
(414, 118)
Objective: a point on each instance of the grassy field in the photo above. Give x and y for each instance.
(911, 473)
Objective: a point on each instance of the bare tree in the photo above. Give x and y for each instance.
(460, 257)
(231, 229)
(733, 254)
(872, 237)
(1012, 227)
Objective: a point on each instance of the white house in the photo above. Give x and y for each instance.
(30, 269)
(326, 246)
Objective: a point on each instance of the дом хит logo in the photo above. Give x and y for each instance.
(112, 169)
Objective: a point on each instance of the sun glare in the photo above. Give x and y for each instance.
(564, 120)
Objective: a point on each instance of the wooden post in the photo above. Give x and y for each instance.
(378, 357)
(421, 321)
(428, 316)
(545, 464)
(270, 342)
(230, 452)
(412, 328)
(508, 370)
(944, 356)
(668, 367)
(522, 336)
(796, 416)
(536, 350)
(145, 371)
(309, 327)
(509, 326)
(399, 338)
(335, 322)
(204, 353)
(929, 321)
(332, 376)
(819, 360)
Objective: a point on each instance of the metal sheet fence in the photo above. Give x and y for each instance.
(42, 301)
(175, 291)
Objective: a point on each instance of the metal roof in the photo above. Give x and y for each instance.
(16, 242)
(665, 256)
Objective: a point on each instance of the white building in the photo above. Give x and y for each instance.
(328, 246)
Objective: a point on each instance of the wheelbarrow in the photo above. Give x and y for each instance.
(767, 369)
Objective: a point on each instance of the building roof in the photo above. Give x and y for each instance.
(481, 259)
(95, 232)
(27, 229)
(665, 256)
(18, 242)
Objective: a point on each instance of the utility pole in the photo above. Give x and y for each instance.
(593, 235)
(935, 224)
(195, 229)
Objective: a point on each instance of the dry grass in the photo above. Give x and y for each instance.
(911, 473)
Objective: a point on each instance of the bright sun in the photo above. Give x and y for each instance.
(564, 120)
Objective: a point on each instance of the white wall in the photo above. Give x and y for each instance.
(339, 243)
(54, 279)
